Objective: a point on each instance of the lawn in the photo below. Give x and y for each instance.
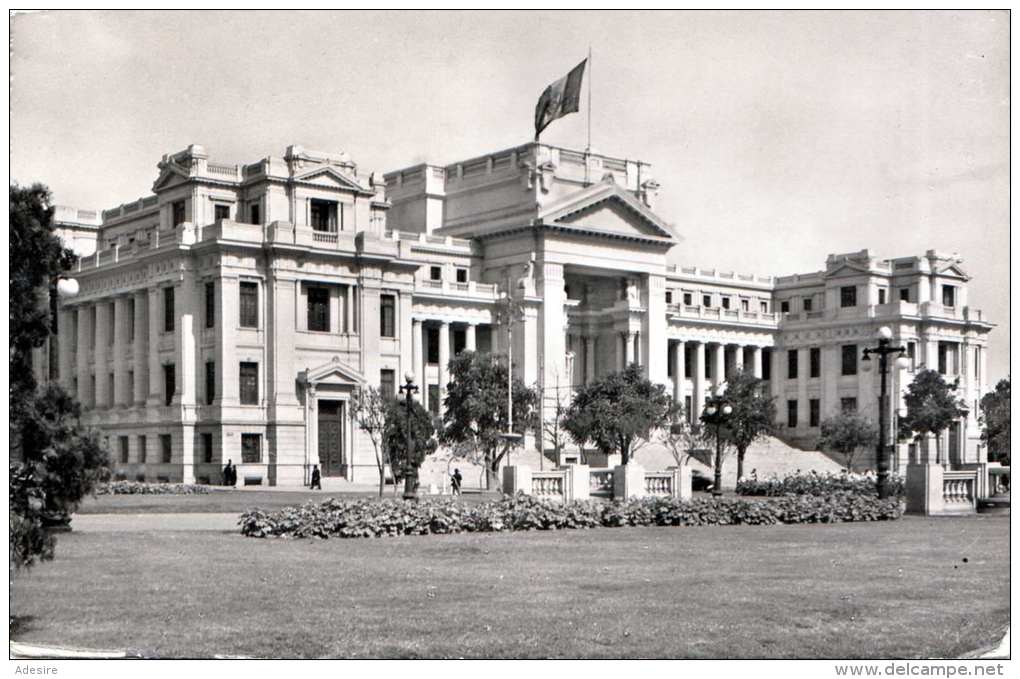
(910, 588)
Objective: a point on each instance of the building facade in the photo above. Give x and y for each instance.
(233, 313)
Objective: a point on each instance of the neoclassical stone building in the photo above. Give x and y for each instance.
(231, 314)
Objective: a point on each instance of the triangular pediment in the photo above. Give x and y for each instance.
(846, 270)
(605, 208)
(330, 177)
(170, 175)
(954, 270)
(334, 372)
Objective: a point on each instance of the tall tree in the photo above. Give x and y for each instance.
(681, 437)
(476, 414)
(753, 416)
(617, 412)
(995, 422)
(368, 411)
(932, 406)
(423, 436)
(846, 433)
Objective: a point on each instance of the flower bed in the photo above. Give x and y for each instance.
(365, 518)
(817, 484)
(139, 488)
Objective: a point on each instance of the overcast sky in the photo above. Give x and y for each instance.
(778, 138)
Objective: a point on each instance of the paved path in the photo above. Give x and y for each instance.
(130, 523)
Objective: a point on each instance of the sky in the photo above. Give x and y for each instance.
(777, 137)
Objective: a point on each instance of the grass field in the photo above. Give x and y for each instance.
(909, 588)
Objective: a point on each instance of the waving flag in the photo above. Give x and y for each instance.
(560, 98)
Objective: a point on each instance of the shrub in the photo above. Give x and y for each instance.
(366, 518)
(817, 484)
(138, 488)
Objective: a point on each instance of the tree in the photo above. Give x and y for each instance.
(932, 407)
(476, 414)
(552, 426)
(617, 412)
(423, 435)
(753, 416)
(846, 433)
(368, 411)
(57, 460)
(681, 437)
(995, 422)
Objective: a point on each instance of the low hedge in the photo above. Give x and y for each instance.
(816, 484)
(367, 518)
(139, 488)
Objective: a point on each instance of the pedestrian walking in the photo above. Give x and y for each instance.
(316, 478)
(230, 474)
(455, 481)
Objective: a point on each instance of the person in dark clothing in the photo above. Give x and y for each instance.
(316, 478)
(229, 474)
(455, 481)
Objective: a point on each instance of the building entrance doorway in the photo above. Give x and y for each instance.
(332, 461)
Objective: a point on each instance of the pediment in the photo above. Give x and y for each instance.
(846, 270)
(169, 176)
(608, 209)
(330, 177)
(954, 270)
(334, 372)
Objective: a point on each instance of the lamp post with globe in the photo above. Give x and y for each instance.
(60, 288)
(884, 350)
(717, 411)
(410, 477)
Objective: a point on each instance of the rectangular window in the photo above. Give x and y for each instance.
(388, 383)
(318, 309)
(706, 301)
(814, 412)
(249, 384)
(130, 387)
(221, 212)
(434, 399)
(791, 364)
(131, 319)
(251, 448)
(92, 390)
(207, 456)
(849, 355)
(387, 316)
(142, 443)
(745, 305)
(256, 216)
(124, 449)
(111, 334)
(178, 212)
(462, 275)
(210, 382)
(816, 362)
(168, 309)
(807, 303)
(688, 299)
(881, 295)
(943, 358)
(766, 363)
(977, 364)
(912, 354)
(848, 296)
(94, 326)
(169, 382)
(848, 404)
(166, 446)
(433, 339)
(435, 273)
(784, 306)
(249, 304)
(111, 384)
(210, 304)
(669, 297)
(904, 294)
(460, 340)
(725, 302)
(948, 295)
(791, 413)
(323, 215)
(764, 307)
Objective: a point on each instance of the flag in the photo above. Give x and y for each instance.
(560, 98)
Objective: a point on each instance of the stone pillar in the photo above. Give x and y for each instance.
(628, 348)
(682, 483)
(552, 346)
(155, 364)
(516, 479)
(469, 337)
(718, 365)
(628, 481)
(417, 359)
(653, 330)
(924, 489)
(185, 306)
(120, 344)
(444, 360)
(83, 348)
(679, 372)
(66, 346)
(698, 368)
(739, 356)
(638, 357)
(140, 349)
(589, 359)
(578, 486)
(104, 399)
(227, 367)
(281, 298)
(756, 361)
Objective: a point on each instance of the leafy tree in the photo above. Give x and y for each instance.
(423, 435)
(56, 460)
(932, 406)
(995, 422)
(681, 437)
(368, 410)
(476, 409)
(753, 416)
(846, 433)
(617, 412)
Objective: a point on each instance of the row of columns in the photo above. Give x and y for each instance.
(719, 368)
(419, 355)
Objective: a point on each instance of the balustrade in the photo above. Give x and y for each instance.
(958, 489)
(547, 484)
(659, 484)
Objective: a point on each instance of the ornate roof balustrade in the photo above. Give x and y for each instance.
(718, 314)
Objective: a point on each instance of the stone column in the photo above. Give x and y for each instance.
(653, 330)
(227, 367)
(83, 348)
(444, 360)
(698, 368)
(65, 347)
(756, 361)
(679, 372)
(469, 337)
(185, 306)
(628, 347)
(155, 365)
(739, 356)
(589, 359)
(120, 344)
(104, 399)
(637, 351)
(140, 349)
(718, 365)
(280, 332)
(550, 354)
(417, 362)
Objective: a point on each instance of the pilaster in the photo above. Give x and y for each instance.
(155, 330)
(653, 330)
(83, 349)
(104, 399)
(140, 348)
(120, 343)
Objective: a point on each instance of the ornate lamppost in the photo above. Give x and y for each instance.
(507, 312)
(60, 288)
(409, 388)
(717, 411)
(883, 351)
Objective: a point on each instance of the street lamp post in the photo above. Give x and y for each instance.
(717, 410)
(60, 288)
(409, 388)
(883, 351)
